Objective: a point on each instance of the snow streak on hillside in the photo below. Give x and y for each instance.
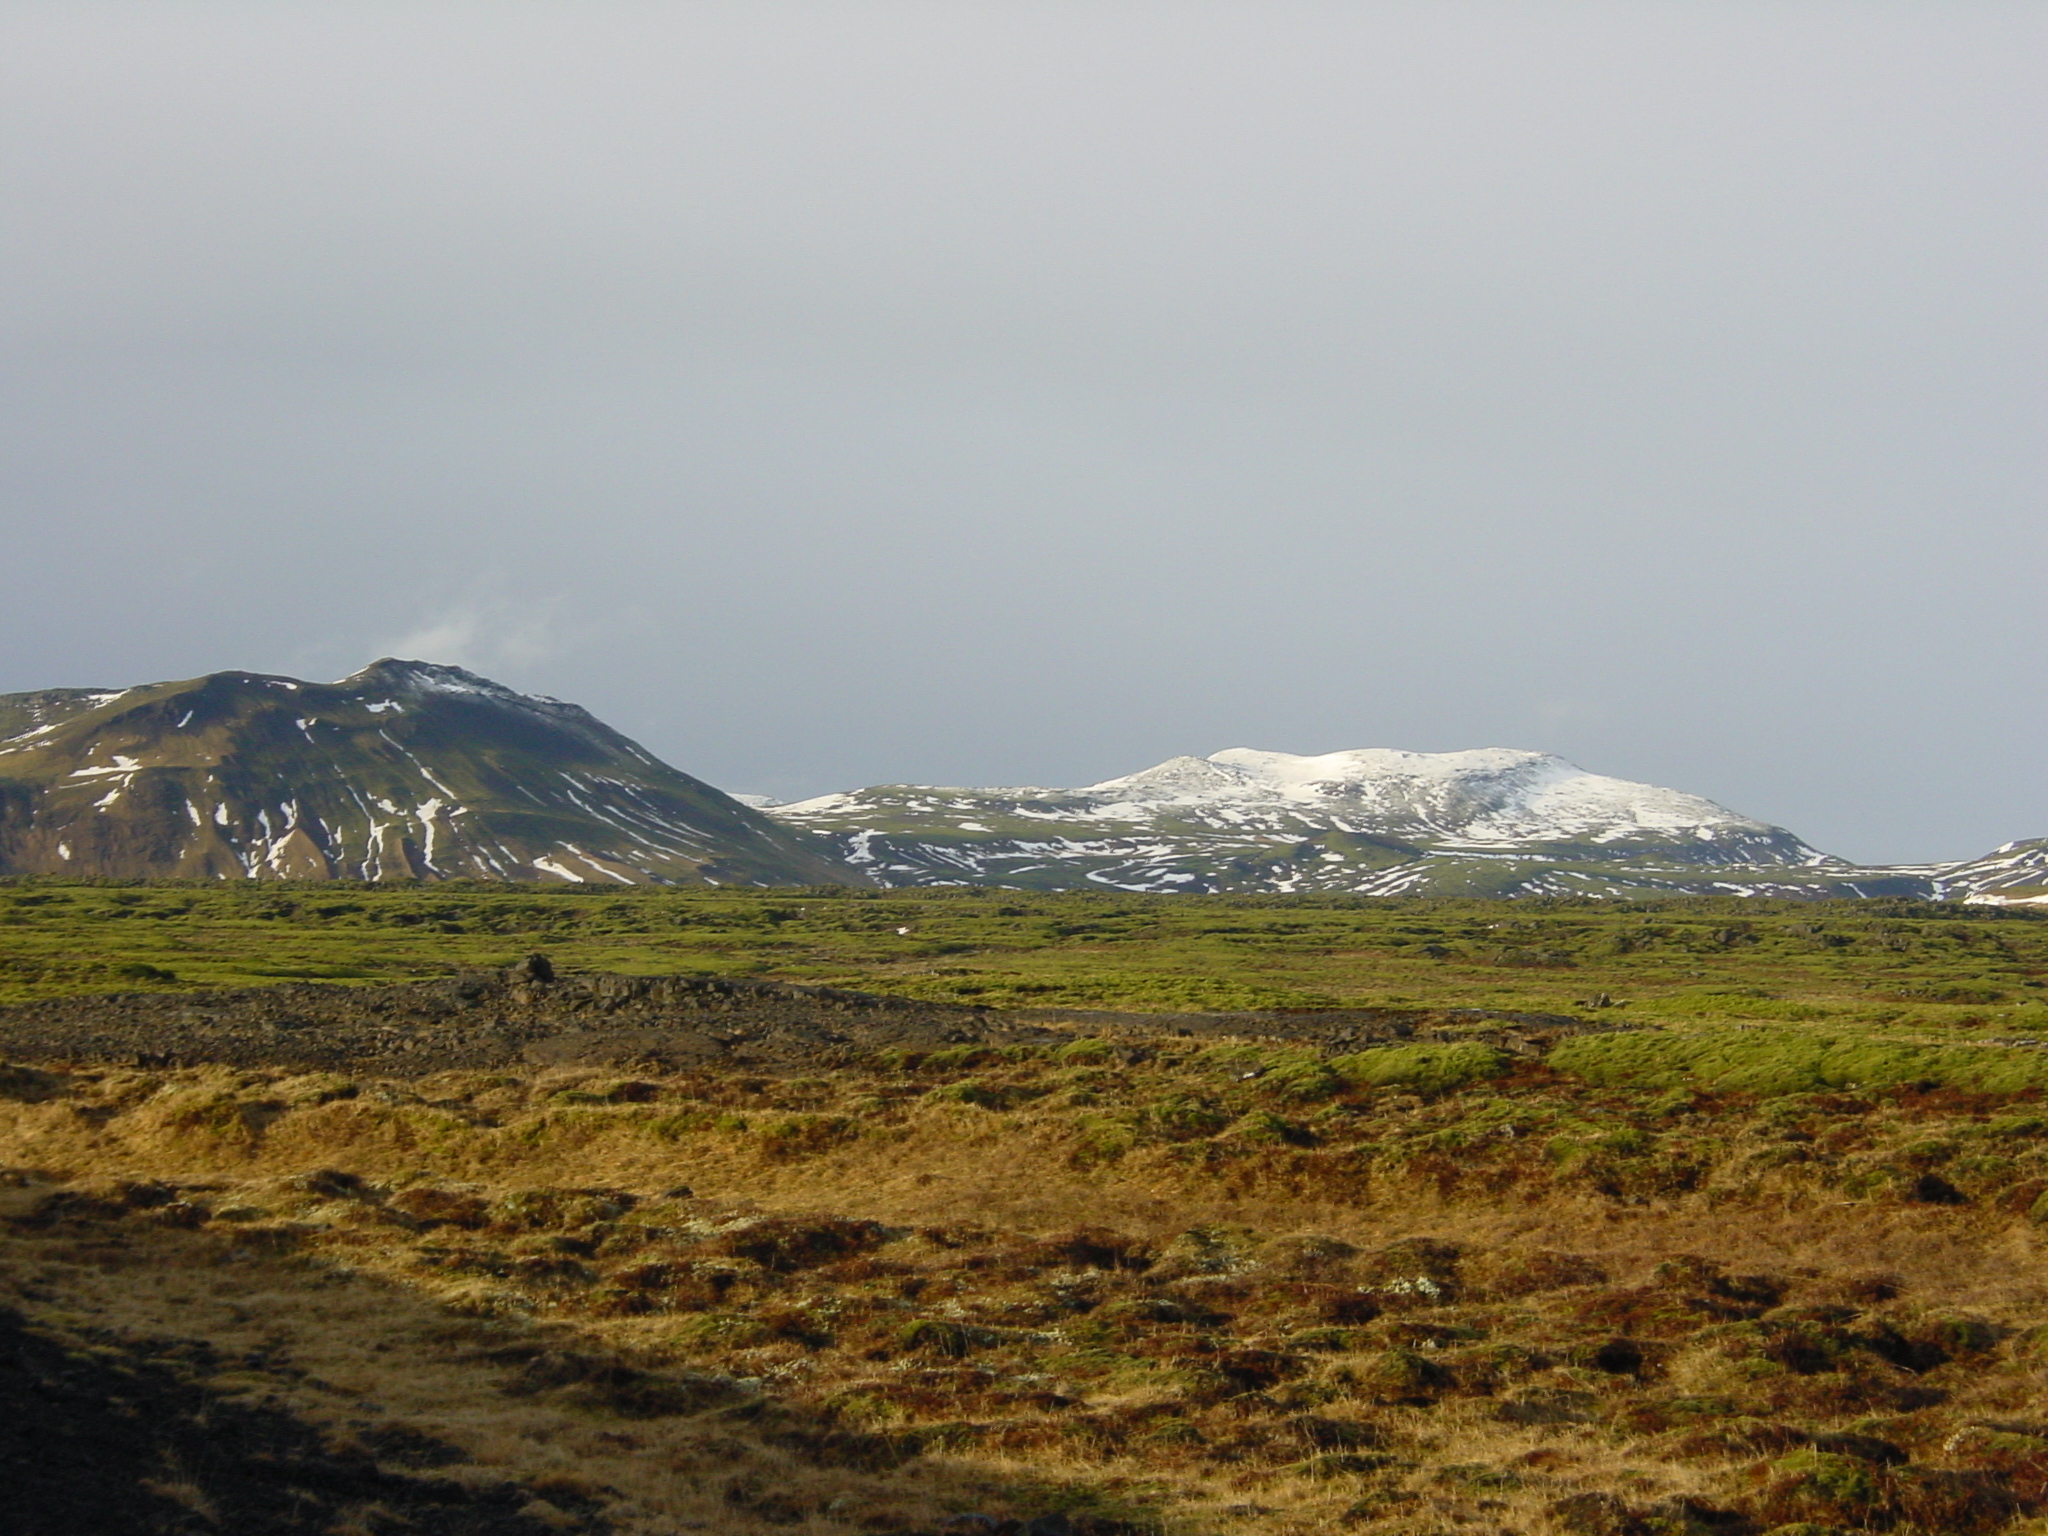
(1377, 822)
(409, 770)
(2015, 874)
(404, 771)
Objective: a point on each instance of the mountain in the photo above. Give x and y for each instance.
(409, 770)
(1492, 822)
(406, 770)
(2014, 875)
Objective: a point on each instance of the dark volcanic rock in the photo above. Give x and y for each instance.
(497, 1020)
(659, 1023)
(1340, 1029)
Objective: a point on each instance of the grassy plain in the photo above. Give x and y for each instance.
(1896, 967)
(1775, 1262)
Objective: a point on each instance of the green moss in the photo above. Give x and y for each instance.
(1831, 1486)
(1738, 1003)
(1101, 1139)
(959, 1058)
(807, 1135)
(1428, 1069)
(1777, 1062)
(1816, 975)
(1089, 1049)
(1183, 1118)
(1264, 1128)
(1300, 1076)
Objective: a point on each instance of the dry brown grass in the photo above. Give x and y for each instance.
(387, 1369)
(1524, 1306)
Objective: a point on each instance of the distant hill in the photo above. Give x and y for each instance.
(1492, 822)
(410, 770)
(406, 770)
(2014, 874)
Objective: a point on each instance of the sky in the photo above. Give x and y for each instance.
(829, 394)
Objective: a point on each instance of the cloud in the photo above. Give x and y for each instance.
(485, 630)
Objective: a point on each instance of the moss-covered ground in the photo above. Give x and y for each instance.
(1902, 968)
(1774, 1261)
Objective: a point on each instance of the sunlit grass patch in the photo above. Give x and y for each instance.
(1774, 1061)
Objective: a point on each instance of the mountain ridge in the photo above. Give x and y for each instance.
(1375, 821)
(405, 769)
(417, 770)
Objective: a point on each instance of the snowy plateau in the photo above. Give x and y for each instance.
(1489, 822)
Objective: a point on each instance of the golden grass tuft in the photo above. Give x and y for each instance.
(1520, 1304)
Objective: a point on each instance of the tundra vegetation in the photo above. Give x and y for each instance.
(1765, 1257)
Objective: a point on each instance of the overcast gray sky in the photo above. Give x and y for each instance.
(829, 394)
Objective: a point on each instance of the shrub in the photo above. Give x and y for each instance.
(781, 1244)
(1090, 1050)
(1205, 1250)
(136, 970)
(957, 1058)
(1267, 1129)
(1821, 1486)
(807, 1135)
(1428, 1069)
(1417, 1267)
(537, 1209)
(441, 1207)
(936, 1336)
(1342, 1341)
(1089, 1248)
(1185, 1119)
(1309, 1256)
(1402, 1375)
(28, 1086)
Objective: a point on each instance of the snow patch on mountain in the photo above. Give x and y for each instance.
(2013, 874)
(1488, 796)
(408, 770)
(1372, 821)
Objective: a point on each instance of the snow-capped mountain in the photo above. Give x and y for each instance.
(2013, 875)
(406, 770)
(1487, 822)
(409, 770)
(1482, 799)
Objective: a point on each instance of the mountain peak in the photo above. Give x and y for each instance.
(1370, 819)
(405, 770)
(1360, 764)
(1175, 775)
(398, 675)
(1486, 795)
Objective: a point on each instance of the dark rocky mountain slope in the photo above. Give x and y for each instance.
(404, 771)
